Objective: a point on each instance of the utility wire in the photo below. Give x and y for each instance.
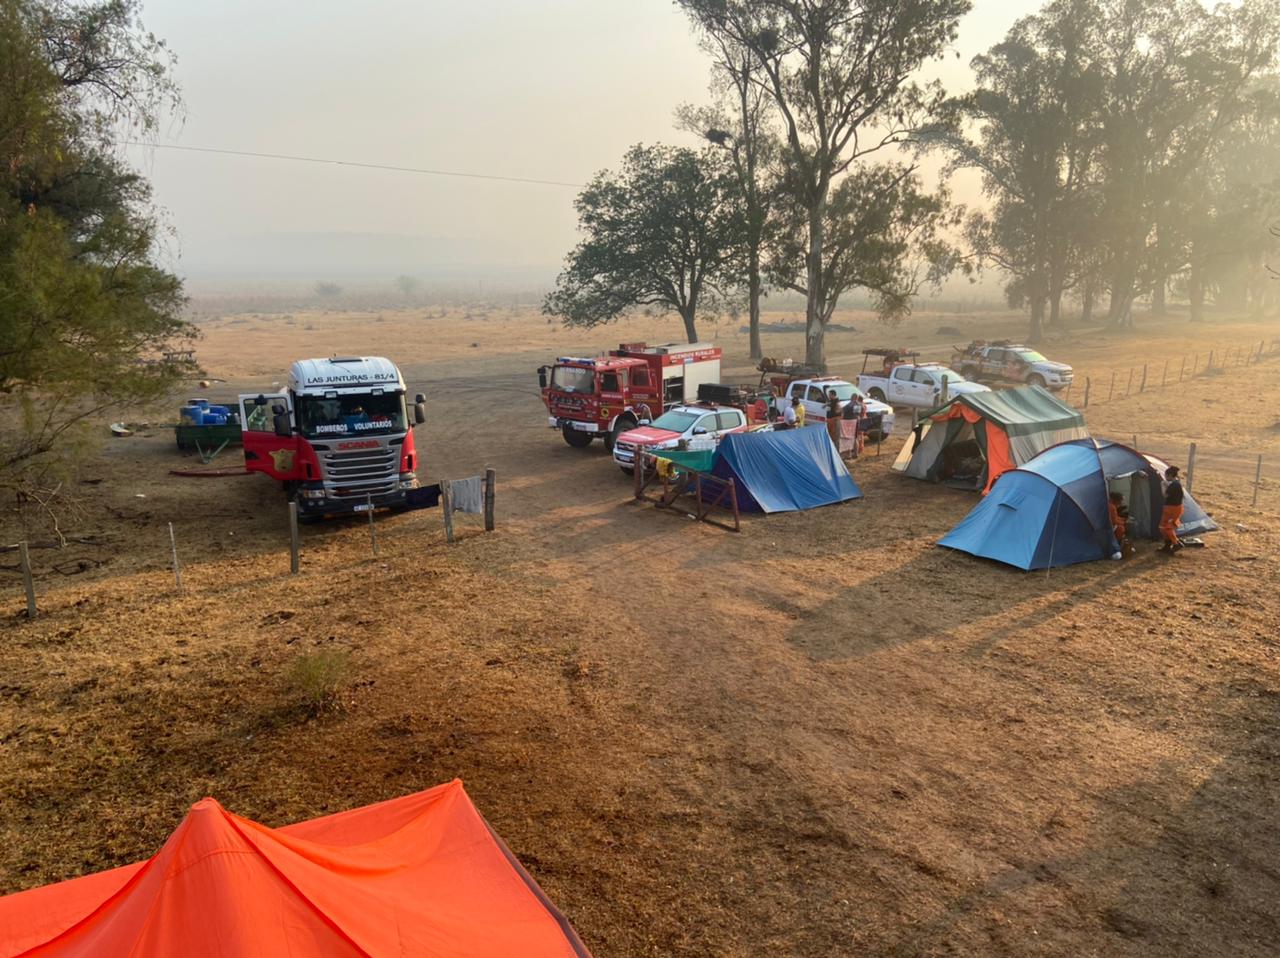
(367, 166)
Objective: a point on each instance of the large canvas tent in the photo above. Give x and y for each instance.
(784, 471)
(420, 875)
(973, 439)
(1052, 511)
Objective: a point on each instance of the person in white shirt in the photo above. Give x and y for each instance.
(788, 420)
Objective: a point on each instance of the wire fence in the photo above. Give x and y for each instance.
(1123, 383)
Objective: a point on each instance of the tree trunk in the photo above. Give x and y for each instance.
(1037, 320)
(753, 303)
(690, 329)
(1195, 291)
(1086, 305)
(815, 353)
(1120, 313)
(1157, 297)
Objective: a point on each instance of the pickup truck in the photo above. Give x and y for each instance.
(812, 393)
(683, 422)
(918, 385)
(1012, 363)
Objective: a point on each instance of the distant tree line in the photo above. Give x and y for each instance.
(1127, 148)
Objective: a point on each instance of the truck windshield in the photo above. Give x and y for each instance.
(953, 377)
(1031, 356)
(675, 420)
(351, 414)
(573, 379)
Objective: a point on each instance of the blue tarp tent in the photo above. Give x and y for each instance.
(784, 471)
(1052, 511)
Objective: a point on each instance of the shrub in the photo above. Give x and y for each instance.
(319, 677)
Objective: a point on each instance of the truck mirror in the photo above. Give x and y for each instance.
(542, 377)
(419, 411)
(419, 398)
(699, 431)
(281, 421)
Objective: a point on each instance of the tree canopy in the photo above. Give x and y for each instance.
(664, 231)
(86, 312)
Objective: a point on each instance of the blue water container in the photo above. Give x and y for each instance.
(192, 415)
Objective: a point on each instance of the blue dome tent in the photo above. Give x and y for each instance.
(785, 471)
(1052, 511)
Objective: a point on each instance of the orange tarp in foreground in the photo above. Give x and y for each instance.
(421, 875)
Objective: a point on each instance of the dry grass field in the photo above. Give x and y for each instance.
(821, 736)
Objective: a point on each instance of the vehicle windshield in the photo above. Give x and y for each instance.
(675, 420)
(351, 414)
(953, 377)
(1031, 356)
(573, 379)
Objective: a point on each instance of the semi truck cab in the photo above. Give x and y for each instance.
(337, 437)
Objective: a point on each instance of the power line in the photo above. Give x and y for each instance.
(367, 166)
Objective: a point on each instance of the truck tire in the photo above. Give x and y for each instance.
(575, 437)
(620, 425)
(1035, 379)
(877, 394)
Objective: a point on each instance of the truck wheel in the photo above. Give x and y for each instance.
(621, 424)
(1035, 379)
(877, 394)
(575, 437)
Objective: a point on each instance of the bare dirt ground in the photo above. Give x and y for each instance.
(822, 736)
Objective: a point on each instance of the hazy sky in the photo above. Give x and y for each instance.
(554, 89)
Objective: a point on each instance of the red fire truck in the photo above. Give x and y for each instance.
(604, 396)
(338, 437)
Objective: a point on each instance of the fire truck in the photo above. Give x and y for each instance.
(337, 436)
(604, 396)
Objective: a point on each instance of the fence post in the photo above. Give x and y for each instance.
(293, 538)
(1112, 391)
(24, 560)
(446, 506)
(1209, 364)
(1182, 368)
(373, 536)
(1257, 481)
(1195, 362)
(1191, 465)
(1143, 385)
(1129, 386)
(943, 395)
(490, 477)
(177, 571)
(1134, 447)
(1088, 384)
(1164, 376)
(637, 474)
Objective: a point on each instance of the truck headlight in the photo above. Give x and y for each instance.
(312, 493)
(408, 481)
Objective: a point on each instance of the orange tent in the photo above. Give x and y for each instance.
(422, 875)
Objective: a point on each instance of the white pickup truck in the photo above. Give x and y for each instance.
(918, 385)
(813, 394)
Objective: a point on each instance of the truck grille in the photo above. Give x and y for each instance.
(361, 473)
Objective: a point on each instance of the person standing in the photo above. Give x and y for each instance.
(833, 417)
(798, 406)
(787, 420)
(851, 426)
(1171, 516)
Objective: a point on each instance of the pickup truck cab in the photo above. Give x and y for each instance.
(812, 393)
(684, 422)
(918, 385)
(1012, 363)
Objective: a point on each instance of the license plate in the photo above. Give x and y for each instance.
(363, 507)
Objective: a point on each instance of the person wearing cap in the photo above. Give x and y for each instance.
(1171, 516)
